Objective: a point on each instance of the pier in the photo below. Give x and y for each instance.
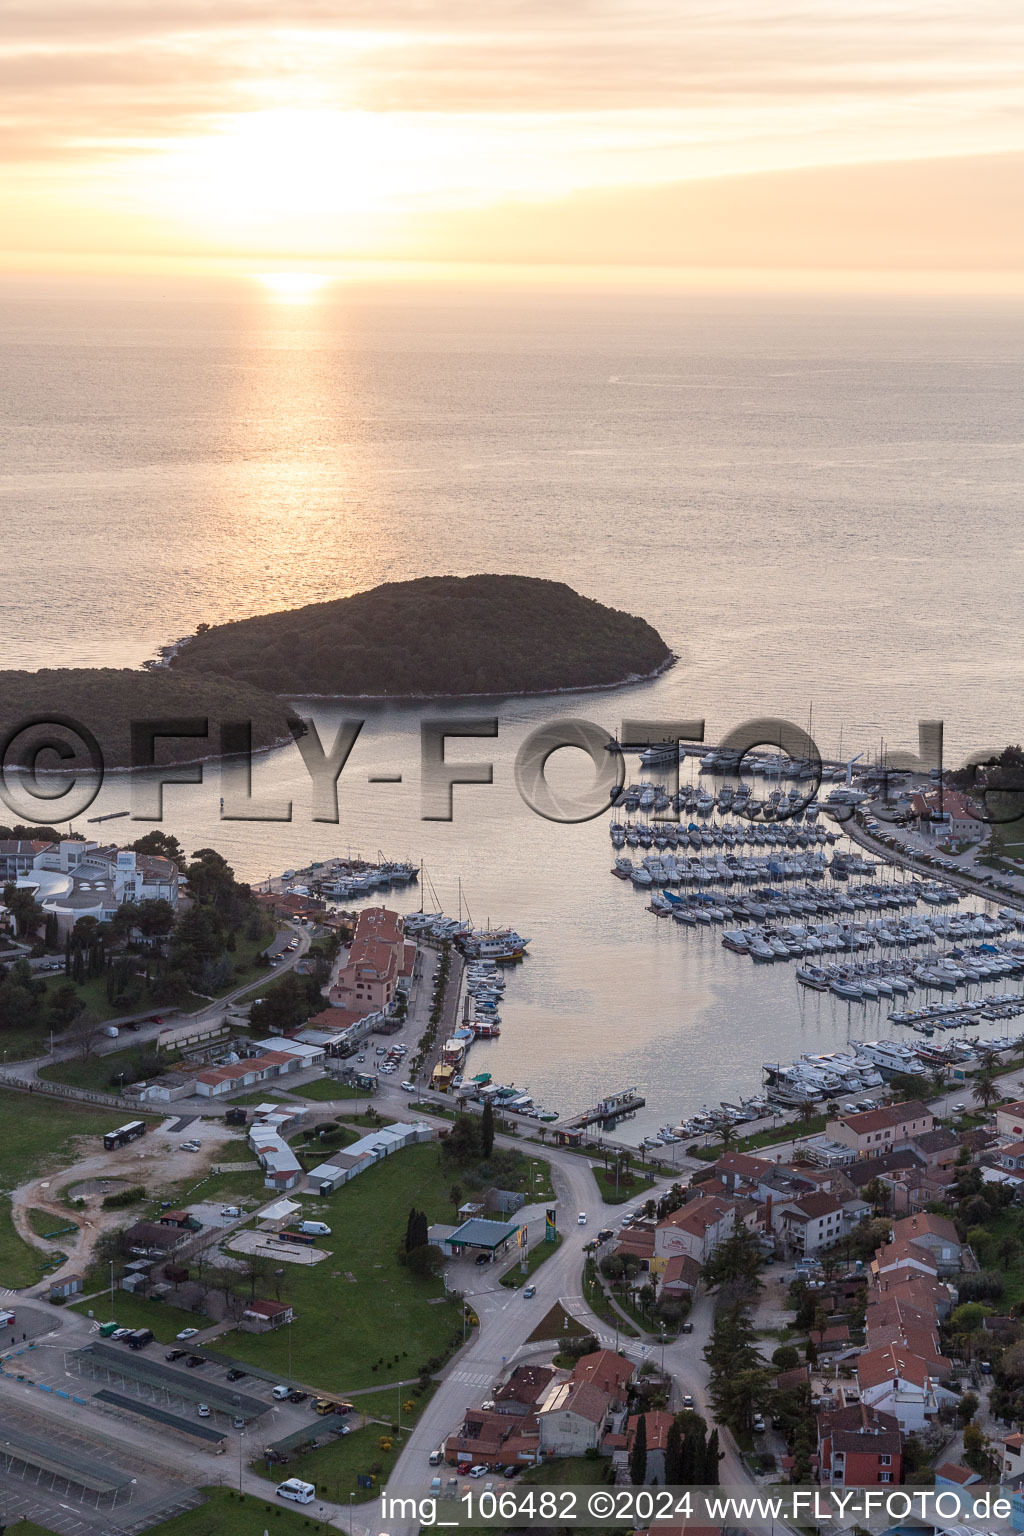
(615, 1106)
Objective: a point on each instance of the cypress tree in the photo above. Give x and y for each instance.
(674, 1454)
(712, 1457)
(638, 1455)
(487, 1130)
(410, 1227)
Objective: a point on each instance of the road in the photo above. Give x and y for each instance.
(147, 1031)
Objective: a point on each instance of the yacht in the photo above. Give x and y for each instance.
(888, 1055)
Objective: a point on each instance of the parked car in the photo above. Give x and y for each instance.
(478, 1471)
(295, 1396)
(685, 1327)
(758, 1424)
(231, 1210)
(195, 1360)
(176, 1354)
(483, 1258)
(203, 1411)
(120, 1333)
(187, 1333)
(235, 1374)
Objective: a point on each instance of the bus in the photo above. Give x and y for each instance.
(120, 1138)
(296, 1490)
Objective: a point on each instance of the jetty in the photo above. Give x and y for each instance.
(614, 1106)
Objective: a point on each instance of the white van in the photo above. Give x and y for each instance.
(315, 1228)
(435, 1458)
(296, 1490)
(280, 1393)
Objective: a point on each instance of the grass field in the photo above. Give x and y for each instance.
(138, 1312)
(45, 1224)
(102, 1074)
(557, 1323)
(327, 1088)
(39, 1134)
(631, 1187)
(226, 1513)
(382, 1323)
(334, 1467)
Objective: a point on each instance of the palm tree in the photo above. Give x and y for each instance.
(728, 1134)
(985, 1087)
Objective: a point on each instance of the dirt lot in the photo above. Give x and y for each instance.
(155, 1162)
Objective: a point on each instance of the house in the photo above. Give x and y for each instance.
(859, 1447)
(812, 1223)
(657, 1424)
(1012, 1158)
(635, 1242)
(680, 1276)
(525, 1388)
(951, 1477)
(902, 1384)
(939, 1148)
(572, 1418)
(480, 1438)
(149, 1237)
(1010, 1120)
(936, 1234)
(609, 1371)
(1013, 1458)
(698, 1227)
(916, 1289)
(831, 1341)
(180, 1219)
(880, 1130)
(265, 1316)
(897, 1256)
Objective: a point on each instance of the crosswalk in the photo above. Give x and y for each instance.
(472, 1378)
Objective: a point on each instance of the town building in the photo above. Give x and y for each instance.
(881, 1130)
(859, 1447)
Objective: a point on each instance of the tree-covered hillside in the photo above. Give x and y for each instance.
(439, 635)
(107, 699)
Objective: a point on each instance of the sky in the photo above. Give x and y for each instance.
(226, 135)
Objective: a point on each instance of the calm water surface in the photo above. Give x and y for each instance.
(817, 503)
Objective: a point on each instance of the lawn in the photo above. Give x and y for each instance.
(227, 1513)
(361, 1317)
(102, 1073)
(334, 1467)
(45, 1224)
(328, 1088)
(38, 1134)
(538, 1253)
(557, 1323)
(630, 1186)
(139, 1312)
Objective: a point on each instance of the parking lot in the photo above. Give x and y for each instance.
(73, 1484)
(172, 1388)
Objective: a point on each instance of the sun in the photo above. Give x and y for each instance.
(294, 287)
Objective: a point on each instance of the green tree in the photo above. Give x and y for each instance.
(487, 1130)
(638, 1453)
(24, 909)
(985, 1087)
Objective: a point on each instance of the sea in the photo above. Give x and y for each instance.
(816, 500)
